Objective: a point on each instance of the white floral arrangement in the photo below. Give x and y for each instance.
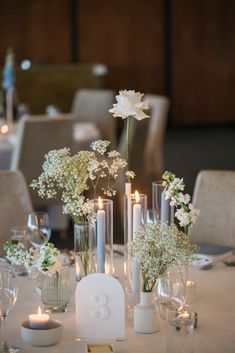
(67, 177)
(129, 105)
(185, 212)
(156, 247)
(47, 259)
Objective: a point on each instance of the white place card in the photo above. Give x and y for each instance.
(100, 308)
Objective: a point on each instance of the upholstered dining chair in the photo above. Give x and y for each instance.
(36, 136)
(92, 105)
(15, 203)
(214, 195)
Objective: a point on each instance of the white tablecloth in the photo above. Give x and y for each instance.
(215, 306)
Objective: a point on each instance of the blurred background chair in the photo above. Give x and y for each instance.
(214, 195)
(15, 203)
(92, 105)
(36, 136)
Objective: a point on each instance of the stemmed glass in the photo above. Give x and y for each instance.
(8, 296)
(39, 229)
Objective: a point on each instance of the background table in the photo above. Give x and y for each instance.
(215, 306)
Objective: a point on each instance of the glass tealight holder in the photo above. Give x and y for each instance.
(180, 328)
(104, 235)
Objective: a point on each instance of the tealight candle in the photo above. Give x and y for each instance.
(39, 321)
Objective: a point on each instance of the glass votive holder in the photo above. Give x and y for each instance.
(162, 211)
(104, 235)
(180, 328)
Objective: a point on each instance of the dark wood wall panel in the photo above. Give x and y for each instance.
(129, 37)
(126, 35)
(36, 29)
(203, 61)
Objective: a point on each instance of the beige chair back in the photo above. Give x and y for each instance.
(92, 105)
(214, 195)
(15, 203)
(36, 137)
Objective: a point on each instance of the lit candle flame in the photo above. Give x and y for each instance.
(100, 203)
(39, 312)
(137, 197)
(4, 129)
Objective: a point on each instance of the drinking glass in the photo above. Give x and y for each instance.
(170, 289)
(39, 229)
(8, 296)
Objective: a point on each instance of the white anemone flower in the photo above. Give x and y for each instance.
(129, 104)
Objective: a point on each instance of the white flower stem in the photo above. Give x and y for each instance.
(128, 136)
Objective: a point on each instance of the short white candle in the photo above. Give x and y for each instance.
(39, 321)
(100, 238)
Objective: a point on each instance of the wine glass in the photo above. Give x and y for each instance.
(8, 296)
(170, 290)
(39, 229)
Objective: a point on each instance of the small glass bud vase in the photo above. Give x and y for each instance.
(84, 249)
(145, 317)
(104, 235)
(55, 292)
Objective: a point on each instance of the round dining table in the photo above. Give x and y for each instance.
(215, 306)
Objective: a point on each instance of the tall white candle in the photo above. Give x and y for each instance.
(39, 321)
(165, 209)
(135, 265)
(136, 213)
(100, 238)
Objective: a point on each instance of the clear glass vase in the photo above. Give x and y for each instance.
(55, 293)
(170, 289)
(84, 249)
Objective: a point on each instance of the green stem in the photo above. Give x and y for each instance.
(128, 136)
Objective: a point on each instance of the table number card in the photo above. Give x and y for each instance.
(100, 308)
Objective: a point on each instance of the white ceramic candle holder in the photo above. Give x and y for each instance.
(40, 337)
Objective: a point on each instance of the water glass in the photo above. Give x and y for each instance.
(55, 293)
(39, 229)
(180, 328)
(19, 234)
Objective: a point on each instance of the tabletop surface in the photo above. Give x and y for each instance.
(215, 306)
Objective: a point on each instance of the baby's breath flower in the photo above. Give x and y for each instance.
(100, 146)
(155, 247)
(130, 174)
(67, 177)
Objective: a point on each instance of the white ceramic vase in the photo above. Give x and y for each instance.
(145, 316)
